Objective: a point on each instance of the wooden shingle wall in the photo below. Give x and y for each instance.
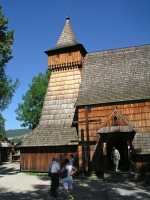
(62, 92)
(58, 108)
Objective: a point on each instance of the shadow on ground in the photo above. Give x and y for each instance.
(83, 188)
(88, 190)
(129, 191)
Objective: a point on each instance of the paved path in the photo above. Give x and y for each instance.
(20, 186)
(127, 191)
(15, 185)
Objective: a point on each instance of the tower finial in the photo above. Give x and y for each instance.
(67, 18)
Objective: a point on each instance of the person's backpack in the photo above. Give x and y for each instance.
(64, 174)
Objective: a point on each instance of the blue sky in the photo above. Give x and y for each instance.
(98, 25)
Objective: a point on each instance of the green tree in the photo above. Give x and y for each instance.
(2, 125)
(16, 139)
(30, 110)
(7, 87)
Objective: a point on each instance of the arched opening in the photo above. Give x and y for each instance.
(120, 144)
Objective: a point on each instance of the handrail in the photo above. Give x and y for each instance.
(133, 167)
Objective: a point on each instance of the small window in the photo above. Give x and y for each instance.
(115, 121)
(69, 53)
(57, 55)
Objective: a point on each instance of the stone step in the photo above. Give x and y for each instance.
(118, 174)
(119, 180)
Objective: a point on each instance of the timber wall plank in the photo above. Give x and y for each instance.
(39, 158)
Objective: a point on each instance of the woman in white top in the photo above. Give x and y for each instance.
(67, 181)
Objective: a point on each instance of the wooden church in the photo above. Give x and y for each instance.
(94, 101)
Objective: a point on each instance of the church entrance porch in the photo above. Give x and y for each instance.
(121, 145)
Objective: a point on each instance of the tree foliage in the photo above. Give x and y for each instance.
(16, 139)
(30, 110)
(7, 87)
(2, 125)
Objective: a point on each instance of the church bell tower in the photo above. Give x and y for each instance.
(65, 60)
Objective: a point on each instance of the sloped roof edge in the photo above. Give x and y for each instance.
(52, 50)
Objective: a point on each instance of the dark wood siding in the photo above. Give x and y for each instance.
(39, 158)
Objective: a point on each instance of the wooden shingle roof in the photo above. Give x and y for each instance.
(50, 136)
(4, 142)
(115, 76)
(67, 37)
(141, 143)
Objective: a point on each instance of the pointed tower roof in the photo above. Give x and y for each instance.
(67, 37)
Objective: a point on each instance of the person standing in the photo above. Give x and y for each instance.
(71, 161)
(54, 169)
(115, 156)
(67, 181)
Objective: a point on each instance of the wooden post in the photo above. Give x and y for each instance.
(83, 151)
(104, 156)
(86, 122)
(10, 155)
(87, 132)
(129, 154)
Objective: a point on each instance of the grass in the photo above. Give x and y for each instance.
(36, 174)
(87, 176)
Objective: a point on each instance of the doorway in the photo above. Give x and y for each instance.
(120, 144)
